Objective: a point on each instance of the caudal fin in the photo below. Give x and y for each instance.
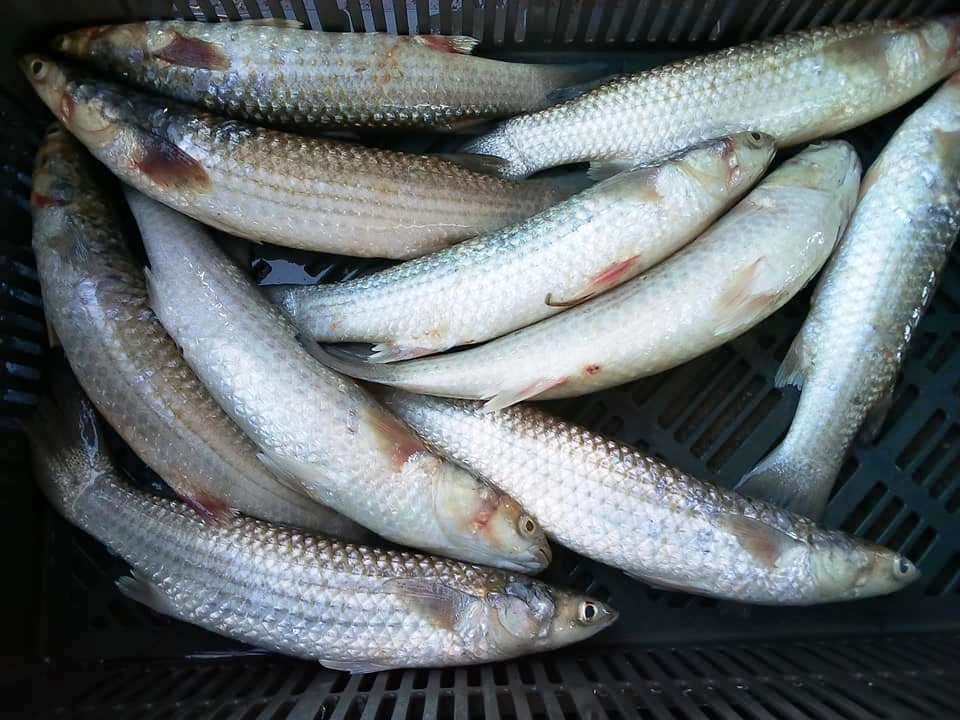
(784, 479)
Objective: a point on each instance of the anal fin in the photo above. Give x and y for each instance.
(389, 352)
(603, 169)
(796, 364)
(507, 397)
(146, 592)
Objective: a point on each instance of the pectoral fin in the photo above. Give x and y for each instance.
(762, 541)
(746, 301)
(146, 592)
(511, 396)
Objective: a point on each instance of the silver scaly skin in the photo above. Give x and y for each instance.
(314, 426)
(867, 305)
(273, 72)
(488, 286)
(745, 267)
(271, 186)
(350, 607)
(796, 87)
(95, 300)
(611, 503)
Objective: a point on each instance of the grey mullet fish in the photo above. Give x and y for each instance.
(314, 426)
(613, 504)
(867, 305)
(488, 286)
(746, 266)
(271, 186)
(796, 87)
(95, 299)
(350, 607)
(271, 71)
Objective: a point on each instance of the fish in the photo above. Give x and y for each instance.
(866, 306)
(743, 268)
(620, 507)
(95, 302)
(273, 72)
(351, 607)
(496, 283)
(313, 426)
(796, 87)
(266, 185)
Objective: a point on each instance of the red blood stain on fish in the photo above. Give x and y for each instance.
(67, 106)
(191, 52)
(38, 200)
(488, 506)
(592, 369)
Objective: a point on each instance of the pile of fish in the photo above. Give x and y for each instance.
(292, 475)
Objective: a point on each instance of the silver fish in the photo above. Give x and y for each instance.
(738, 272)
(270, 186)
(95, 299)
(350, 607)
(488, 286)
(313, 425)
(271, 71)
(795, 87)
(609, 502)
(867, 305)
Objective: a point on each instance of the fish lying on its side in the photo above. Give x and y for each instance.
(488, 286)
(272, 71)
(867, 304)
(749, 264)
(271, 186)
(615, 505)
(795, 87)
(313, 425)
(350, 607)
(95, 300)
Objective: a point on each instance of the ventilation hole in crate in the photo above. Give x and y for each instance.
(358, 704)
(568, 708)
(728, 415)
(902, 532)
(420, 679)
(253, 711)
(366, 682)
(887, 515)
(500, 674)
(327, 708)
(849, 467)
(593, 414)
(340, 682)
(586, 669)
(903, 399)
(953, 502)
(739, 436)
(700, 373)
(283, 712)
(918, 548)
(612, 668)
(610, 427)
(394, 678)
(506, 706)
(307, 674)
(944, 352)
(921, 344)
(852, 522)
(445, 704)
(475, 708)
(446, 678)
(945, 580)
(716, 395)
(920, 440)
(643, 390)
(551, 671)
(949, 444)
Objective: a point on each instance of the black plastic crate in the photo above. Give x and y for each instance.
(93, 653)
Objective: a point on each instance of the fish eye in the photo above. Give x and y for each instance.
(902, 566)
(756, 137)
(588, 612)
(38, 68)
(528, 526)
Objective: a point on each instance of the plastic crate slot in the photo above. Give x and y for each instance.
(946, 580)
(746, 427)
(945, 351)
(942, 453)
(883, 520)
(718, 396)
(921, 441)
(847, 471)
(853, 522)
(701, 375)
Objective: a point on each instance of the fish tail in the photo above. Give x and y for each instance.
(499, 143)
(784, 479)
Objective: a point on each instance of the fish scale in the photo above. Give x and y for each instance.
(615, 505)
(795, 87)
(351, 607)
(270, 186)
(873, 292)
(511, 278)
(314, 426)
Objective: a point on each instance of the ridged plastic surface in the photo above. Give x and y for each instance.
(714, 418)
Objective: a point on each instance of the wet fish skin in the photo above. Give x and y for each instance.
(313, 425)
(795, 87)
(273, 72)
(271, 186)
(348, 606)
(95, 299)
(611, 503)
(873, 293)
(745, 267)
(513, 277)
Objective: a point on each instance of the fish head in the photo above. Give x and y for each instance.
(527, 615)
(104, 42)
(937, 37)
(847, 568)
(728, 163)
(487, 526)
(832, 167)
(57, 170)
(87, 112)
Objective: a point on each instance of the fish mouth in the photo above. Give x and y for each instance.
(532, 562)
